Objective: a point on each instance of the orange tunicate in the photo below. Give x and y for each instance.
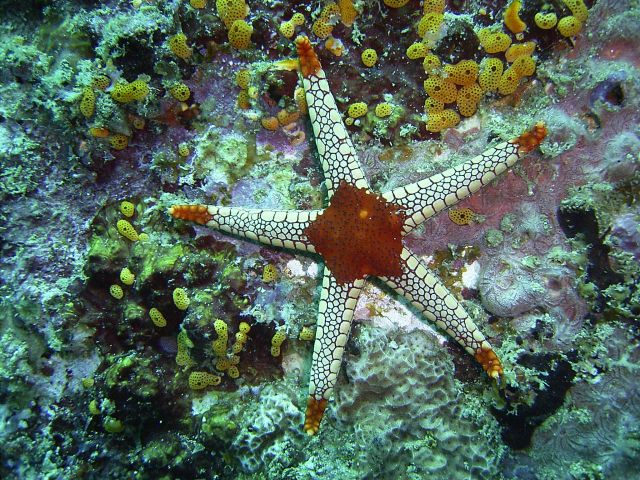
(438, 121)
(321, 28)
(512, 18)
(270, 123)
(334, 45)
(464, 72)
(348, 13)
(518, 50)
(441, 89)
(99, 132)
(493, 42)
(461, 216)
(490, 73)
(285, 117)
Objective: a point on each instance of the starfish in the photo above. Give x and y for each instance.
(360, 235)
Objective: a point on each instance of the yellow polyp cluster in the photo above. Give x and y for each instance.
(369, 57)
(178, 45)
(88, 102)
(240, 35)
(512, 18)
(270, 123)
(546, 21)
(395, 3)
(180, 92)
(200, 380)
(118, 141)
(307, 334)
(578, 9)
(569, 26)
(431, 105)
(494, 42)
(157, 318)
(287, 29)
(334, 45)
(181, 299)
(101, 82)
(468, 98)
(431, 63)
(198, 4)
(441, 89)
(116, 292)
(417, 50)
(461, 216)
(383, 110)
(464, 72)
(276, 342)
(184, 344)
(357, 110)
(430, 23)
(518, 50)
(126, 276)
(491, 70)
(439, 121)
(127, 208)
(126, 230)
(183, 150)
(121, 92)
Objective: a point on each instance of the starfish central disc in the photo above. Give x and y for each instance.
(359, 234)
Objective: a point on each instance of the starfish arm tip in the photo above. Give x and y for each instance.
(315, 411)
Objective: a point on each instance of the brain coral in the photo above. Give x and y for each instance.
(401, 390)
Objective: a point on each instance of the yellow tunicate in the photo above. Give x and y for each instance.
(181, 299)
(395, 3)
(465, 72)
(143, 237)
(88, 382)
(518, 50)
(241, 337)
(279, 337)
(287, 29)
(232, 10)
(348, 12)
(234, 360)
(494, 42)
(431, 63)
(180, 92)
(183, 359)
(297, 19)
(237, 347)
(178, 45)
(369, 57)
(490, 73)
(233, 371)
(546, 21)
(578, 9)
(461, 216)
(93, 408)
(101, 82)
(127, 208)
(569, 26)
(221, 328)
(201, 380)
(244, 327)
(99, 132)
(139, 89)
(512, 18)
(357, 110)
(243, 77)
(222, 364)
(439, 121)
(118, 141)
(183, 341)
(126, 276)
(431, 105)
(441, 89)
(508, 81)
(112, 425)
(301, 100)
(524, 66)
(321, 28)
(219, 346)
(183, 150)
(468, 98)
(127, 230)
(433, 6)
(88, 102)
(270, 123)
(269, 273)
(243, 101)
(430, 23)
(275, 351)
(122, 92)
(240, 34)
(157, 318)
(116, 292)
(383, 110)
(417, 50)
(198, 3)
(286, 117)
(306, 334)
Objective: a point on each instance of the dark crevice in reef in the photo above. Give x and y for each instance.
(585, 224)
(519, 420)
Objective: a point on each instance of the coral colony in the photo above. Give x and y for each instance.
(372, 239)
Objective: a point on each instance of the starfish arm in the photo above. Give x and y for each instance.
(335, 313)
(426, 293)
(278, 228)
(425, 198)
(337, 155)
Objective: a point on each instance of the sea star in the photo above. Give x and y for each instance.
(359, 235)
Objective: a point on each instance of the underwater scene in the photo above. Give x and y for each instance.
(307, 240)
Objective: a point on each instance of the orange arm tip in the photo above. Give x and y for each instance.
(528, 141)
(309, 63)
(490, 362)
(193, 213)
(315, 411)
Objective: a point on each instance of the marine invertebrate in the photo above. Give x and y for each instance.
(118, 141)
(512, 18)
(383, 110)
(199, 380)
(116, 292)
(157, 317)
(178, 45)
(127, 208)
(180, 298)
(240, 35)
(545, 21)
(336, 233)
(569, 26)
(88, 102)
(357, 110)
(180, 92)
(369, 57)
(126, 276)
(126, 230)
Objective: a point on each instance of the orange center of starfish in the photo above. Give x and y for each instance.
(359, 234)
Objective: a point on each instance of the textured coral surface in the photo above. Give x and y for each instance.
(133, 345)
